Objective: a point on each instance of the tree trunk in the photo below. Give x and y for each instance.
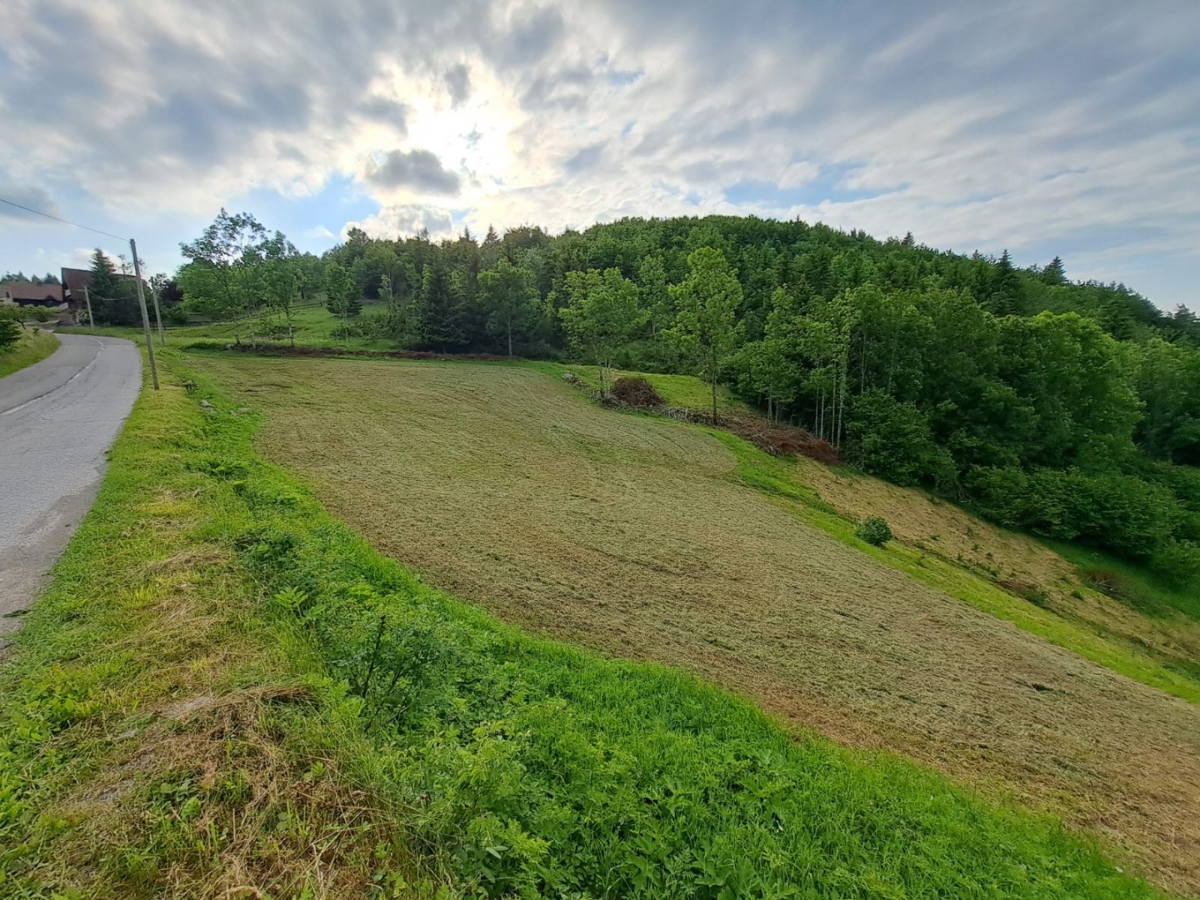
(510, 340)
(712, 377)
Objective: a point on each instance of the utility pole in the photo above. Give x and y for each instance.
(137, 273)
(88, 298)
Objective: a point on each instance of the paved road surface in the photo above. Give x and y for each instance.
(58, 417)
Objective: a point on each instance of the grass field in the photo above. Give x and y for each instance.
(1153, 620)
(640, 537)
(313, 326)
(183, 717)
(33, 345)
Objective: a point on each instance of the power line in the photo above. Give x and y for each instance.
(137, 269)
(38, 212)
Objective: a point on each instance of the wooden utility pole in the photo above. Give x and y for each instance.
(88, 297)
(137, 273)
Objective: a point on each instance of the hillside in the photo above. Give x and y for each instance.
(645, 539)
(1063, 409)
(224, 692)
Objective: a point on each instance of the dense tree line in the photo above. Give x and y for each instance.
(1068, 409)
(48, 278)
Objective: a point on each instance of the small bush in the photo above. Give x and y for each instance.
(10, 333)
(874, 531)
(1026, 591)
(176, 315)
(1178, 562)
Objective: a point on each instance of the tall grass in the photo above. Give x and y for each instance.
(34, 344)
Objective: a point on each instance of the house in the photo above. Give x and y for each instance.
(26, 293)
(75, 280)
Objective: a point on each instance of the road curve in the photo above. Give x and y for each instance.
(58, 418)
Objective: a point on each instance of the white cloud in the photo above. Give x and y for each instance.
(1015, 124)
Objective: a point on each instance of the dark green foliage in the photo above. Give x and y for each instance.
(114, 299)
(175, 315)
(1179, 563)
(893, 440)
(874, 531)
(10, 332)
(1127, 515)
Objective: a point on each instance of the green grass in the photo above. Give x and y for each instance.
(313, 327)
(169, 726)
(33, 345)
(1137, 586)
(676, 390)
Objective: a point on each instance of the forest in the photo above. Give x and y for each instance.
(1070, 410)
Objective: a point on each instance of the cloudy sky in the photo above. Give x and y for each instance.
(1068, 128)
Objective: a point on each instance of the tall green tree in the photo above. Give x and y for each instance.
(602, 315)
(114, 299)
(281, 277)
(222, 276)
(509, 298)
(440, 311)
(341, 292)
(706, 305)
(656, 294)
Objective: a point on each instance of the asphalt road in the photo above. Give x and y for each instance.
(58, 418)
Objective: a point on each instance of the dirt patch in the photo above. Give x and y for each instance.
(632, 535)
(781, 440)
(635, 391)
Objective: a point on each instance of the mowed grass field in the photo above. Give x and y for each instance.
(637, 537)
(1155, 621)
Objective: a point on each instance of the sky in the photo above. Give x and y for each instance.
(1068, 128)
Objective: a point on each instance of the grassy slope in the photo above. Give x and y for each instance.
(313, 326)
(1162, 651)
(167, 727)
(1149, 621)
(159, 732)
(33, 346)
(635, 535)
(786, 480)
(676, 390)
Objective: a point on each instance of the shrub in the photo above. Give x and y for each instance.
(874, 531)
(176, 314)
(10, 333)
(1121, 513)
(892, 440)
(1178, 562)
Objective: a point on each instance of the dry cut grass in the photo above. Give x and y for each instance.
(1020, 563)
(634, 536)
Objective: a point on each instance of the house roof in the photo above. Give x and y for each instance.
(74, 280)
(28, 291)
